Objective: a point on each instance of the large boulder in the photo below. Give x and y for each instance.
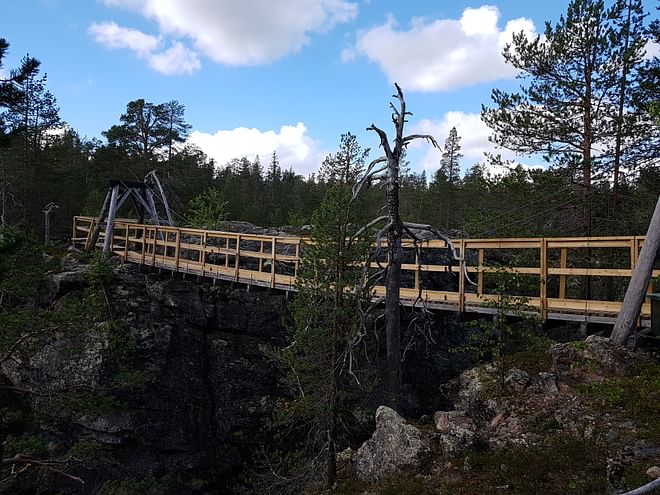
(395, 446)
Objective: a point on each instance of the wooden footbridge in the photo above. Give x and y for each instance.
(555, 272)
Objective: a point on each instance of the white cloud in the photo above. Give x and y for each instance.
(442, 54)
(175, 60)
(652, 50)
(474, 140)
(113, 36)
(243, 32)
(295, 148)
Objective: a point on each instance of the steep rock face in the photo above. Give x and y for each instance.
(174, 384)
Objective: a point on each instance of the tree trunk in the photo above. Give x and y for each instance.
(634, 298)
(393, 286)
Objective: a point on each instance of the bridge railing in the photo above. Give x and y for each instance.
(581, 279)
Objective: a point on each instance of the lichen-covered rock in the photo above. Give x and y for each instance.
(516, 379)
(395, 446)
(456, 431)
(475, 394)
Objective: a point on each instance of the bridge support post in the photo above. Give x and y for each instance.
(634, 298)
(107, 244)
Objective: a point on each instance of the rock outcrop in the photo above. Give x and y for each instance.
(395, 446)
(172, 382)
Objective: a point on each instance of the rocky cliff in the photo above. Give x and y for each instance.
(166, 381)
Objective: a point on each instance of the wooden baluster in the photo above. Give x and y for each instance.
(144, 242)
(126, 237)
(177, 249)
(261, 251)
(418, 267)
(480, 275)
(296, 265)
(544, 278)
(238, 256)
(155, 243)
(272, 266)
(563, 264)
(461, 277)
(202, 252)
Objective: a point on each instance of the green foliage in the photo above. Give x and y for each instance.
(322, 369)
(635, 396)
(85, 451)
(26, 444)
(22, 269)
(100, 272)
(148, 486)
(512, 329)
(208, 209)
(565, 464)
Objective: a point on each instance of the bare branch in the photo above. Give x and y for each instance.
(383, 139)
(49, 465)
(461, 259)
(370, 224)
(427, 137)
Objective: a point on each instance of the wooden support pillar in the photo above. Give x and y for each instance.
(93, 235)
(202, 252)
(109, 229)
(634, 298)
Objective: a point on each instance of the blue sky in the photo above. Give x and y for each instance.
(290, 75)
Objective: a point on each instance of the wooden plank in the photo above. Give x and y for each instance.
(595, 272)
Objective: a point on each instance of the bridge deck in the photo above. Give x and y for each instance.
(553, 280)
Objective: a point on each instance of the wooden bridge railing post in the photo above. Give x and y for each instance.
(461, 277)
(177, 249)
(272, 266)
(153, 253)
(202, 252)
(144, 242)
(544, 278)
(237, 260)
(480, 274)
(563, 264)
(418, 267)
(126, 237)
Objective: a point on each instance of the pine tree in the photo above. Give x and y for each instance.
(451, 156)
(347, 164)
(322, 368)
(567, 109)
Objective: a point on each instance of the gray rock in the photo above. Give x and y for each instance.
(456, 431)
(547, 383)
(64, 282)
(395, 446)
(516, 379)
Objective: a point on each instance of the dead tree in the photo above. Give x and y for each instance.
(385, 172)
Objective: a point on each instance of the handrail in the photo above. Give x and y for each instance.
(554, 269)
